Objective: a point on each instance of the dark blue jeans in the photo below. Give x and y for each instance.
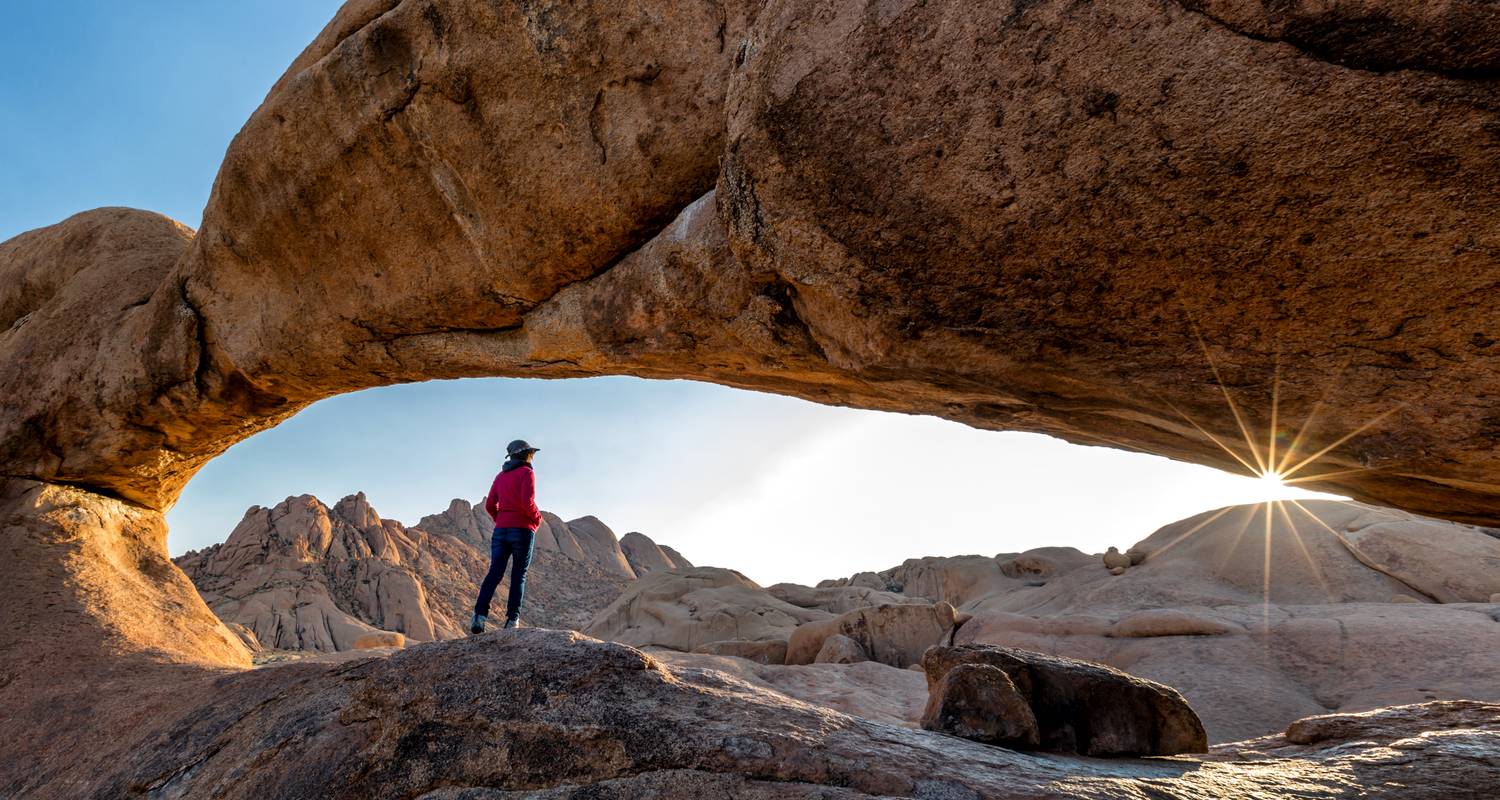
(507, 543)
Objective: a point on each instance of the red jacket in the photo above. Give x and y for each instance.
(511, 502)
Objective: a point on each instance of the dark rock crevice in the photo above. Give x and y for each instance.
(1460, 45)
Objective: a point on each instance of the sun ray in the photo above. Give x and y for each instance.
(1235, 545)
(1275, 411)
(1265, 573)
(1317, 519)
(1200, 526)
(1302, 546)
(1323, 476)
(1346, 437)
(1211, 437)
(1307, 423)
(1116, 443)
(1260, 466)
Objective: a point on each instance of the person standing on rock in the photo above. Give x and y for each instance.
(511, 503)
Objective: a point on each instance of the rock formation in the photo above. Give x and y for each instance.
(302, 576)
(1250, 648)
(1076, 706)
(1106, 222)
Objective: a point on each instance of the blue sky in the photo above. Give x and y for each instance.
(134, 104)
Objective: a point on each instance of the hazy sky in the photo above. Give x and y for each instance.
(133, 104)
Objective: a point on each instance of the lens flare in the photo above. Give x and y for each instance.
(1278, 472)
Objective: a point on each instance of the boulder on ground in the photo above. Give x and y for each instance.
(1114, 559)
(981, 702)
(1085, 708)
(764, 651)
(840, 649)
(897, 635)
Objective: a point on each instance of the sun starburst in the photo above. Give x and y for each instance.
(1279, 472)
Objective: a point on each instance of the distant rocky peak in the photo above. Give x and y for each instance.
(646, 556)
(356, 509)
(300, 522)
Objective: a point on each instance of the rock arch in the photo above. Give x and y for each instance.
(1042, 217)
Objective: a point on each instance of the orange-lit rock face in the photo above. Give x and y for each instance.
(1029, 218)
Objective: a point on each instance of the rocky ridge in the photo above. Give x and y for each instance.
(303, 576)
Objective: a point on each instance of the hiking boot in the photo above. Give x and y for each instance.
(476, 625)
(512, 623)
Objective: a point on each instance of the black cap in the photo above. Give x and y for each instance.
(519, 448)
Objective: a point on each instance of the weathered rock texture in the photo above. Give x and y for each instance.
(1081, 707)
(1021, 215)
(1060, 201)
(303, 576)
